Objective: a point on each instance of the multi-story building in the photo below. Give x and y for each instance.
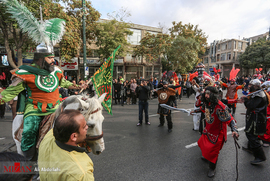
(255, 38)
(223, 54)
(129, 66)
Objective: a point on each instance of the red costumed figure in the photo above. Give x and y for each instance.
(176, 80)
(214, 135)
(232, 89)
(217, 76)
(258, 74)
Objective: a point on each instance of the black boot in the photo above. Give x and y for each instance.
(212, 169)
(259, 156)
(248, 149)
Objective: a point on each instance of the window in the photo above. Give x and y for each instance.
(240, 44)
(207, 51)
(218, 47)
(218, 57)
(229, 45)
(206, 60)
(223, 57)
(223, 46)
(229, 56)
(56, 51)
(213, 59)
(135, 38)
(234, 44)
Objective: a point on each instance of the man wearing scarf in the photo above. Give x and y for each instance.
(38, 85)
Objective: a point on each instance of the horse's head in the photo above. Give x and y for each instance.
(91, 109)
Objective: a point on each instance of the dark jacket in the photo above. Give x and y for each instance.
(256, 113)
(117, 86)
(143, 92)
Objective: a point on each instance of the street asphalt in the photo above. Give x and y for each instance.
(150, 153)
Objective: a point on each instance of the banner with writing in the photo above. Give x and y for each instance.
(102, 81)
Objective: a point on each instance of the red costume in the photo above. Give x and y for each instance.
(258, 74)
(266, 136)
(215, 132)
(217, 76)
(232, 88)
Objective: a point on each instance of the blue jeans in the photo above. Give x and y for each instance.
(143, 105)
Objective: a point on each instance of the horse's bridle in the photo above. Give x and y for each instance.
(97, 137)
(94, 138)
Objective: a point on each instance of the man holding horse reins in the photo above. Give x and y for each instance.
(59, 150)
(40, 80)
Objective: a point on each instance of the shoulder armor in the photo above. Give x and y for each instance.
(259, 94)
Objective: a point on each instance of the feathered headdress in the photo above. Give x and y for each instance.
(192, 76)
(216, 70)
(49, 32)
(233, 73)
(258, 70)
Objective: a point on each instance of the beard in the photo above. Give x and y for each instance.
(49, 67)
(212, 100)
(252, 88)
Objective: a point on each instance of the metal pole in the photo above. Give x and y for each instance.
(84, 39)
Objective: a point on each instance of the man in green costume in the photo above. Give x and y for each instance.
(41, 81)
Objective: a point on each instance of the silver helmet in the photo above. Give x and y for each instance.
(256, 82)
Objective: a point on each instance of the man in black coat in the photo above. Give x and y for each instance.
(142, 92)
(117, 91)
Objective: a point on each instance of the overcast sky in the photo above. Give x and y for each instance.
(219, 19)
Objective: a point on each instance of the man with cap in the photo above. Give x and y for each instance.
(166, 95)
(256, 106)
(41, 80)
(214, 135)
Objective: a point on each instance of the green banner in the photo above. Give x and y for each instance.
(102, 81)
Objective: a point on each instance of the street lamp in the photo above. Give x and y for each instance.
(84, 40)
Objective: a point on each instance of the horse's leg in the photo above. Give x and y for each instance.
(15, 126)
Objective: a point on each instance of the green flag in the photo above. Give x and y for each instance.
(102, 81)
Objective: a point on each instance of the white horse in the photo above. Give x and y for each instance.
(91, 109)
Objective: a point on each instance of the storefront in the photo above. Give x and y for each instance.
(5, 75)
(70, 68)
(134, 72)
(94, 64)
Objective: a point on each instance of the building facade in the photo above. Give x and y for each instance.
(129, 66)
(223, 55)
